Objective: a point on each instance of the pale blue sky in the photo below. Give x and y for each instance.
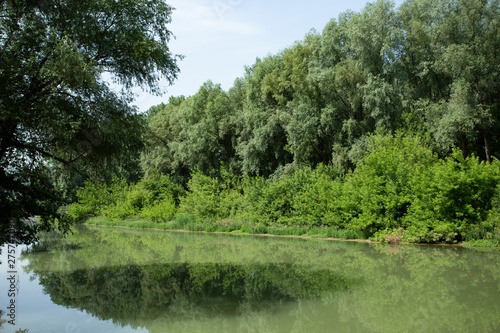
(220, 37)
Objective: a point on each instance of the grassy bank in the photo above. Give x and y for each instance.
(188, 222)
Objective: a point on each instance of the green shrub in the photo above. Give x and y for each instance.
(202, 198)
(493, 220)
(316, 202)
(94, 197)
(157, 187)
(439, 233)
(230, 203)
(275, 202)
(453, 197)
(161, 211)
(79, 212)
(151, 197)
(139, 198)
(488, 230)
(211, 197)
(119, 210)
(378, 194)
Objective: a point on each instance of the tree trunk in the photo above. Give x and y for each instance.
(463, 139)
(488, 158)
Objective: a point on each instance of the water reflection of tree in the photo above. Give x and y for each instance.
(133, 294)
(136, 294)
(405, 288)
(422, 288)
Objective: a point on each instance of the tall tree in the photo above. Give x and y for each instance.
(193, 133)
(55, 106)
(262, 139)
(163, 129)
(451, 55)
(207, 126)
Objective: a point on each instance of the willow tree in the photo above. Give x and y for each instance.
(55, 105)
(451, 55)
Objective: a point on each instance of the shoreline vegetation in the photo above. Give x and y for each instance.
(138, 224)
(400, 192)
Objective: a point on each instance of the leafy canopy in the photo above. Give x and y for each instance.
(55, 106)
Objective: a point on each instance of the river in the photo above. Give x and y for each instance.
(123, 280)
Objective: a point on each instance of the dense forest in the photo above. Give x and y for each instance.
(428, 69)
(385, 125)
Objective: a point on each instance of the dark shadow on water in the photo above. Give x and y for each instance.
(131, 294)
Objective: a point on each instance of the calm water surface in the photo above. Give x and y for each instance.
(117, 280)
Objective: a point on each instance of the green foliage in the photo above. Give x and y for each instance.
(202, 197)
(427, 69)
(157, 187)
(162, 211)
(417, 69)
(304, 197)
(493, 220)
(57, 114)
(317, 202)
(93, 197)
(211, 197)
(400, 191)
(381, 125)
(402, 184)
(155, 197)
(451, 196)
(378, 194)
(193, 133)
(119, 210)
(271, 202)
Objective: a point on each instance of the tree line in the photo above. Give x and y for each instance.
(426, 68)
(402, 103)
(400, 191)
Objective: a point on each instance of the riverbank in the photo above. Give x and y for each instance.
(187, 223)
(400, 193)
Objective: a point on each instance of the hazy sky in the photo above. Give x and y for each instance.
(220, 37)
